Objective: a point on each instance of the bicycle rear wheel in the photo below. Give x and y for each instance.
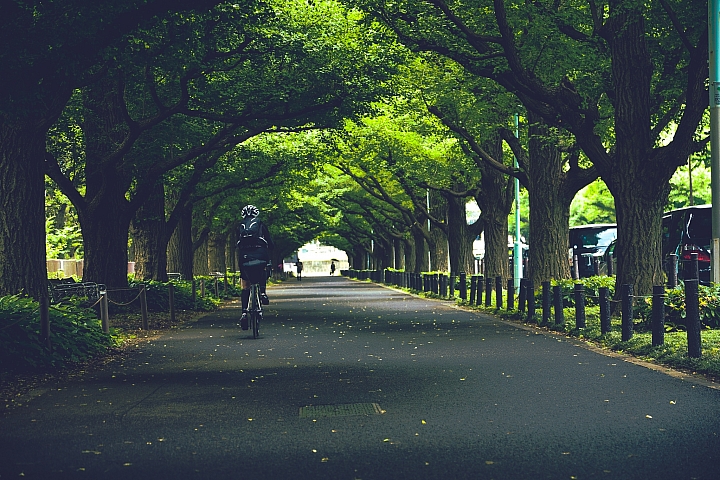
(256, 324)
(254, 311)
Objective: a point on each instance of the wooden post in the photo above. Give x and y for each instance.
(194, 292)
(171, 301)
(658, 315)
(510, 294)
(579, 305)
(473, 288)
(143, 308)
(104, 317)
(522, 296)
(488, 291)
(626, 296)
(225, 286)
(605, 326)
(692, 318)
(576, 268)
(530, 298)
(45, 322)
(545, 303)
(559, 313)
(480, 287)
(217, 288)
(498, 292)
(463, 285)
(202, 288)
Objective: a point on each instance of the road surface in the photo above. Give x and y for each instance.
(350, 380)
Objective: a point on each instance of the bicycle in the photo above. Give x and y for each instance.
(254, 310)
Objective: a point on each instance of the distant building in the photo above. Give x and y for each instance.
(316, 259)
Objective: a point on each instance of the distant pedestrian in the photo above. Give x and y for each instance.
(332, 268)
(299, 266)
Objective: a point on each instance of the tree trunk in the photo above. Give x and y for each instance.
(105, 235)
(104, 213)
(399, 254)
(22, 211)
(359, 258)
(460, 236)
(550, 195)
(496, 247)
(495, 202)
(149, 237)
(180, 251)
(638, 178)
(421, 251)
(230, 257)
(216, 251)
(438, 254)
(200, 259)
(410, 257)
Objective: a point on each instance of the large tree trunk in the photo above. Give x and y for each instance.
(639, 183)
(410, 257)
(495, 202)
(421, 251)
(105, 212)
(438, 254)
(180, 251)
(399, 254)
(460, 236)
(22, 211)
(230, 249)
(549, 194)
(496, 247)
(105, 235)
(149, 237)
(201, 266)
(216, 251)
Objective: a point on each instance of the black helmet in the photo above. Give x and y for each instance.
(250, 211)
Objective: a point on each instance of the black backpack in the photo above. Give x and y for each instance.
(250, 233)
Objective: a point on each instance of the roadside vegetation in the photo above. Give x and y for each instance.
(674, 351)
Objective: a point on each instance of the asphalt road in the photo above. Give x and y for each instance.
(350, 380)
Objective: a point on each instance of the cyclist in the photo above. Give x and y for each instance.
(254, 247)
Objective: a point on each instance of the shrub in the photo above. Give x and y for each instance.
(76, 334)
(158, 297)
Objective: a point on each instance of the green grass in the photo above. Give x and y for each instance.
(673, 353)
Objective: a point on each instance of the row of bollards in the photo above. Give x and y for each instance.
(480, 292)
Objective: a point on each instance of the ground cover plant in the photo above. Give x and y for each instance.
(673, 353)
(76, 334)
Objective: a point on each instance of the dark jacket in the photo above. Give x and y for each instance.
(263, 240)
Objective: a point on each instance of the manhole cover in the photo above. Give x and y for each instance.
(344, 410)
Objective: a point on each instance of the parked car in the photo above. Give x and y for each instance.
(588, 243)
(685, 231)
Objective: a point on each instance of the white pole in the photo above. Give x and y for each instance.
(714, 49)
(517, 251)
(428, 209)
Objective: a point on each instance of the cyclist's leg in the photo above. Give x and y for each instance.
(264, 300)
(245, 299)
